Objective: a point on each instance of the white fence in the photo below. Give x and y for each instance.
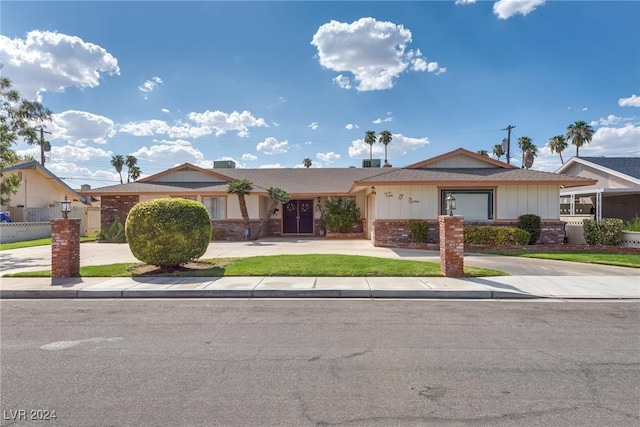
(574, 228)
(22, 231)
(89, 216)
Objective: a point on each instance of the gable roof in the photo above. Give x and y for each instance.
(186, 167)
(460, 152)
(33, 164)
(624, 167)
(473, 177)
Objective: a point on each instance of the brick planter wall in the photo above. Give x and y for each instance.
(336, 236)
(65, 247)
(233, 229)
(451, 245)
(115, 205)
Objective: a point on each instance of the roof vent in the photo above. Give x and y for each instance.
(371, 163)
(224, 164)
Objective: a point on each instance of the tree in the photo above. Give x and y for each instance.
(134, 173)
(558, 144)
(131, 161)
(498, 151)
(117, 161)
(307, 163)
(579, 133)
(484, 153)
(386, 138)
(370, 138)
(525, 143)
(276, 195)
(242, 188)
(17, 117)
(530, 155)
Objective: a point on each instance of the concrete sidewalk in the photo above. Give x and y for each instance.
(503, 287)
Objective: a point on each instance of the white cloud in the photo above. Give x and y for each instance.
(613, 141)
(373, 51)
(276, 124)
(249, 156)
(308, 143)
(605, 121)
(505, 9)
(160, 127)
(273, 166)
(76, 175)
(222, 122)
(149, 86)
(398, 147)
(329, 157)
(272, 146)
(351, 126)
(49, 61)
(342, 81)
(177, 151)
(313, 125)
(165, 110)
(79, 126)
(387, 119)
(465, 1)
(632, 101)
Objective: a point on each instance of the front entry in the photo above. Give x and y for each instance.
(297, 217)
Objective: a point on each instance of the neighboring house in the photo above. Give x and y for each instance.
(487, 191)
(39, 190)
(615, 194)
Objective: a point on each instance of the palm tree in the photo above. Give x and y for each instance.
(131, 162)
(370, 138)
(484, 153)
(558, 144)
(117, 161)
(134, 173)
(525, 144)
(579, 133)
(276, 195)
(386, 138)
(241, 188)
(307, 163)
(498, 151)
(529, 155)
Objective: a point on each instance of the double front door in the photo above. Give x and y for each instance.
(297, 217)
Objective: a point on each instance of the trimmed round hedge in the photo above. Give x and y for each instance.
(168, 232)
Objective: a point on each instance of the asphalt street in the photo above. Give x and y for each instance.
(320, 363)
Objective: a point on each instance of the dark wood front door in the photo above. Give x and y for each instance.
(297, 217)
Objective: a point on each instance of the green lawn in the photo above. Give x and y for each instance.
(590, 257)
(39, 242)
(281, 265)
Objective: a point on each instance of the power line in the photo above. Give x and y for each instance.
(508, 129)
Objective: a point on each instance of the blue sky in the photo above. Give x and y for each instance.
(268, 84)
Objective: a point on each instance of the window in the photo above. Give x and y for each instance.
(216, 206)
(471, 204)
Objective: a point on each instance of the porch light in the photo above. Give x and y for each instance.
(373, 190)
(66, 207)
(451, 204)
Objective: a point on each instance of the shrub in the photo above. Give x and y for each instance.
(530, 223)
(489, 235)
(341, 214)
(115, 232)
(168, 232)
(633, 225)
(418, 231)
(607, 232)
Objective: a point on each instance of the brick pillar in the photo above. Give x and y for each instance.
(451, 245)
(65, 247)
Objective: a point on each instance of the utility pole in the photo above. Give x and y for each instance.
(42, 142)
(508, 129)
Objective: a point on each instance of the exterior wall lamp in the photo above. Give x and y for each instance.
(451, 204)
(373, 190)
(65, 207)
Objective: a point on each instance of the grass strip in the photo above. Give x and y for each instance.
(39, 242)
(313, 265)
(589, 257)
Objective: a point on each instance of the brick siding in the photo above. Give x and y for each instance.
(233, 229)
(110, 206)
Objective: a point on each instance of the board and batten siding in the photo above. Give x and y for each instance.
(511, 201)
(233, 206)
(515, 200)
(187, 176)
(459, 162)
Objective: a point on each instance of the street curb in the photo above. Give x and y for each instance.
(280, 293)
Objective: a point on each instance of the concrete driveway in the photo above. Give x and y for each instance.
(39, 258)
